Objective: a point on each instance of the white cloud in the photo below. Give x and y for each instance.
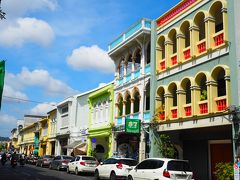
(39, 78)
(7, 119)
(26, 30)
(42, 109)
(16, 8)
(9, 91)
(91, 58)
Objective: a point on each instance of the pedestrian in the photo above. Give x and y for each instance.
(4, 158)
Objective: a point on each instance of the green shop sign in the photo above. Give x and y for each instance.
(132, 125)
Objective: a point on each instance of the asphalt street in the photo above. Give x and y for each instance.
(31, 172)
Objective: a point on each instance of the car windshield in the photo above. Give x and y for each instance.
(128, 162)
(47, 156)
(178, 166)
(67, 157)
(88, 158)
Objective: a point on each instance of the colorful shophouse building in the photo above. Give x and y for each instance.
(192, 82)
(131, 55)
(101, 122)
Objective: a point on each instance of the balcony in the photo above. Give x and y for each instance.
(218, 38)
(173, 59)
(136, 74)
(120, 81)
(201, 46)
(143, 24)
(187, 53)
(146, 116)
(187, 110)
(119, 120)
(128, 77)
(162, 115)
(135, 115)
(203, 107)
(174, 112)
(221, 103)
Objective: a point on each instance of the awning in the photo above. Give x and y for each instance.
(81, 149)
(74, 144)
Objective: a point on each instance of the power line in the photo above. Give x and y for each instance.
(26, 100)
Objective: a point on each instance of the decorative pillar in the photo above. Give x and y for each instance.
(180, 46)
(212, 94)
(159, 57)
(181, 101)
(210, 31)
(196, 93)
(124, 107)
(169, 50)
(228, 89)
(225, 23)
(142, 146)
(168, 105)
(143, 59)
(132, 106)
(194, 39)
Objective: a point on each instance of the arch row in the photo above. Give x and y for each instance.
(206, 92)
(206, 32)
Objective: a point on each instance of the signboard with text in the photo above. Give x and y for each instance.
(132, 126)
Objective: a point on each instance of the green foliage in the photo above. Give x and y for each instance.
(166, 147)
(224, 171)
(203, 95)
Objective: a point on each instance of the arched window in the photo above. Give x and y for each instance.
(120, 106)
(173, 39)
(216, 13)
(160, 103)
(199, 22)
(148, 57)
(136, 102)
(219, 77)
(185, 31)
(137, 63)
(121, 69)
(129, 64)
(99, 149)
(128, 104)
(203, 88)
(173, 92)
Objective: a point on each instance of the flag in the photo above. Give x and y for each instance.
(2, 74)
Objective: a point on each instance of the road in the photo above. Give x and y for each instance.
(31, 172)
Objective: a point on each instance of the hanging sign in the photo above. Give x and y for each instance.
(132, 126)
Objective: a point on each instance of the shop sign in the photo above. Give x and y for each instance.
(132, 125)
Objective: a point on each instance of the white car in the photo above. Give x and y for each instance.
(80, 164)
(114, 168)
(162, 169)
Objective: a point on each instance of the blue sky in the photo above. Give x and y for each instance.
(57, 48)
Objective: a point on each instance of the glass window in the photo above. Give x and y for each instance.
(178, 166)
(128, 162)
(88, 158)
(67, 157)
(77, 158)
(144, 165)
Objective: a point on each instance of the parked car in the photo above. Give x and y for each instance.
(60, 162)
(161, 168)
(114, 168)
(44, 160)
(81, 164)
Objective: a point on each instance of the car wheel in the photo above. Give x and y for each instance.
(96, 175)
(76, 171)
(113, 176)
(68, 170)
(129, 178)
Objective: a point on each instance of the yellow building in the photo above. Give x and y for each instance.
(27, 139)
(14, 139)
(43, 136)
(51, 132)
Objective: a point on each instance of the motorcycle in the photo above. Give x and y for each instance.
(14, 163)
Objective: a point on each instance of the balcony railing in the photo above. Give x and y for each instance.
(188, 110)
(137, 74)
(221, 103)
(128, 77)
(140, 25)
(119, 120)
(147, 69)
(218, 38)
(146, 116)
(174, 112)
(163, 65)
(120, 81)
(162, 115)
(187, 53)
(135, 115)
(203, 107)
(174, 59)
(201, 45)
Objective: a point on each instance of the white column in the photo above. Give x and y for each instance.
(143, 60)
